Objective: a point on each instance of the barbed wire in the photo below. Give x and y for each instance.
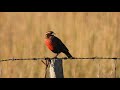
(47, 63)
(64, 58)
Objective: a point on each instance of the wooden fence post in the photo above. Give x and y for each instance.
(56, 69)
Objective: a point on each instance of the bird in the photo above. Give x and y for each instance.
(56, 45)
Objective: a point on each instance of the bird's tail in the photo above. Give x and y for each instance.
(68, 54)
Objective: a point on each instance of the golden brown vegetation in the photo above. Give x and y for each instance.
(86, 34)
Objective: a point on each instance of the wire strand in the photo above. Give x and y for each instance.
(64, 58)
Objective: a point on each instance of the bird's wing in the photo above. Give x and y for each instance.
(59, 44)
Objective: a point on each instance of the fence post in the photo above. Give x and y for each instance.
(56, 69)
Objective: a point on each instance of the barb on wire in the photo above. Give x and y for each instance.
(64, 58)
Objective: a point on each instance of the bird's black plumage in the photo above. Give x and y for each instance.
(56, 45)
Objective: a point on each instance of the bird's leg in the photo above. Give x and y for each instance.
(56, 55)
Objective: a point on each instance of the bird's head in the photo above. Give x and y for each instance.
(49, 33)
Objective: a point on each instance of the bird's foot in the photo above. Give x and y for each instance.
(55, 57)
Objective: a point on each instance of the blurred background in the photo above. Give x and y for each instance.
(86, 34)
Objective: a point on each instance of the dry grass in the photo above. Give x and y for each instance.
(85, 34)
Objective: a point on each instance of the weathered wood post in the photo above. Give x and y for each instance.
(56, 69)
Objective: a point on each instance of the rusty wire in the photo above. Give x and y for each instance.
(64, 58)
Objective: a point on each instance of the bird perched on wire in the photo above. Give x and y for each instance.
(56, 45)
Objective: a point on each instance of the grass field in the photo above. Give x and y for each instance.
(86, 34)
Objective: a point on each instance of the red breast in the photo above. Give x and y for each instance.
(49, 44)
